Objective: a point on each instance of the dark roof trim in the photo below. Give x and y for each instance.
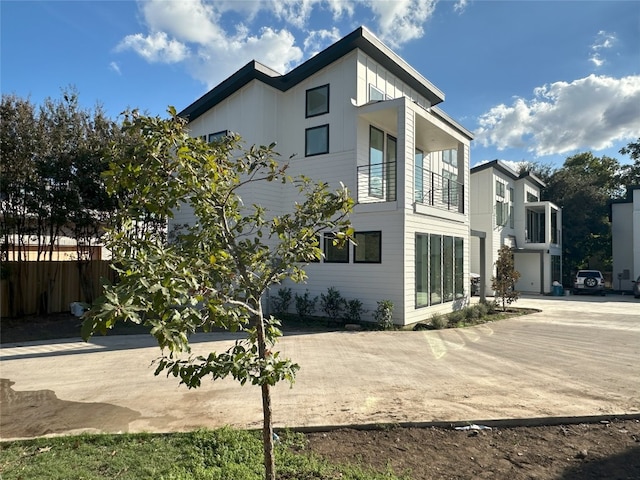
(360, 38)
(508, 171)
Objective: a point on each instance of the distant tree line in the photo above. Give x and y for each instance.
(583, 187)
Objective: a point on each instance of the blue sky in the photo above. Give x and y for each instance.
(535, 80)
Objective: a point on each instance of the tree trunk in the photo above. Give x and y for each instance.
(267, 434)
(267, 426)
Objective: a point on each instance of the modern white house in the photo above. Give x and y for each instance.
(359, 114)
(506, 206)
(625, 236)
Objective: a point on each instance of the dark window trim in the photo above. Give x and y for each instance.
(355, 248)
(327, 241)
(306, 130)
(215, 136)
(306, 101)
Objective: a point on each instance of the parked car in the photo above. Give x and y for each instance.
(636, 287)
(588, 281)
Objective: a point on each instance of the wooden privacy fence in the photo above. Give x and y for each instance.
(30, 288)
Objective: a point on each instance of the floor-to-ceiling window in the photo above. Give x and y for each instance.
(439, 269)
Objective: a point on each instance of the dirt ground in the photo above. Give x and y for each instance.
(602, 450)
(570, 452)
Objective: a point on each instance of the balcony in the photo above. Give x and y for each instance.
(377, 182)
(543, 224)
(438, 191)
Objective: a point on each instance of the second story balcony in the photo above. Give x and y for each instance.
(378, 183)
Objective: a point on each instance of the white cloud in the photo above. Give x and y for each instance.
(318, 40)
(115, 67)
(603, 41)
(588, 113)
(155, 48)
(460, 6)
(401, 21)
(214, 62)
(212, 43)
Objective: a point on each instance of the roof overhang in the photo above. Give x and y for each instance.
(360, 38)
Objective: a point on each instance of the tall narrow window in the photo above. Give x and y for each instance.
(368, 247)
(447, 269)
(316, 140)
(317, 101)
(390, 167)
(422, 270)
(419, 176)
(511, 212)
(435, 269)
(459, 267)
(334, 253)
(376, 160)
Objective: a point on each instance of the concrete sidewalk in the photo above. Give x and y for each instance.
(578, 357)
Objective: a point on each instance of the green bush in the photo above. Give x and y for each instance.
(280, 303)
(456, 318)
(482, 308)
(353, 311)
(332, 303)
(439, 321)
(305, 305)
(383, 315)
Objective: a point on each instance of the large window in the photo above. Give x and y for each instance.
(439, 269)
(334, 253)
(317, 101)
(368, 247)
(316, 141)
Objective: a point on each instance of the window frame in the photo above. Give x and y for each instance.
(306, 103)
(328, 246)
(217, 136)
(373, 88)
(357, 246)
(306, 140)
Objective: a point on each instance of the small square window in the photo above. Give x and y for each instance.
(316, 141)
(450, 157)
(375, 94)
(368, 247)
(317, 101)
(333, 253)
(217, 136)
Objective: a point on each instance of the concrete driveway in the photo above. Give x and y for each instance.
(579, 357)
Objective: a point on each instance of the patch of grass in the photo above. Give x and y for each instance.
(222, 454)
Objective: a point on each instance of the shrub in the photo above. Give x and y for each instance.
(305, 305)
(492, 307)
(456, 318)
(353, 311)
(383, 314)
(482, 309)
(332, 303)
(439, 321)
(282, 301)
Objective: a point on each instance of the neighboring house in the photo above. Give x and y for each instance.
(625, 232)
(357, 113)
(506, 206)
